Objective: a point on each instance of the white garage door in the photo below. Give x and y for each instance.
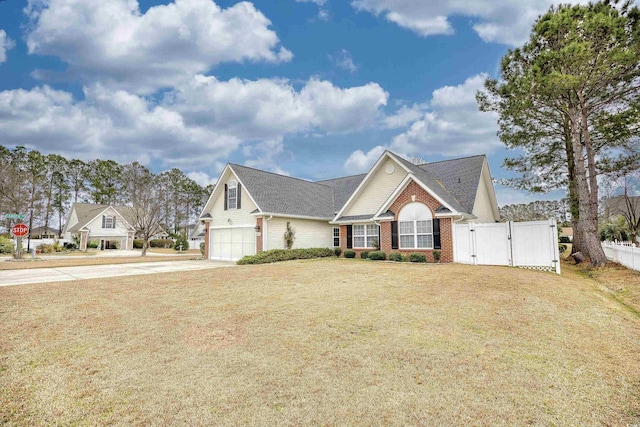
(233, 243)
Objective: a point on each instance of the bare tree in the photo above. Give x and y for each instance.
(146, 207)
(627, 205)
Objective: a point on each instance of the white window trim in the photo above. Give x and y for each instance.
(413, 213)
(336, 237)
(232, 186)
(415, 234)
(365, 235)
(109, 222)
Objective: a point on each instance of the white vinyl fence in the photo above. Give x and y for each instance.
(623, 252)
(532, 244)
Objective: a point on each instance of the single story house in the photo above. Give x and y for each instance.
(44, 233)
(108, 225)
(397, 206)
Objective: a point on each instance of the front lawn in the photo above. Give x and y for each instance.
(321, 342)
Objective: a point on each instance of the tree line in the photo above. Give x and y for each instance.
(569, 102)
(43, 187)
(537, 211)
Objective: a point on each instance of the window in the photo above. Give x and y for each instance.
(336, 237)
(108, 221)
(415, 227)
(232, 195)
(365, 236)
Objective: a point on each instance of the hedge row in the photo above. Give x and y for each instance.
(393, 256)
(276, 255)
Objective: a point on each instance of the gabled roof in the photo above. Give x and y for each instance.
(285, 195)
(453, 182)
(435, 184)
(86, 212)
(460, 176)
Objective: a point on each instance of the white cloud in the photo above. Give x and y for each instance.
(404, 116)
(453, 126)
(344, 60)
(360, 162)
(264, 155)
(196, 125)
(323, 14)
(202, 178)
(123, 48)
(106, 124)
(507, 22)
(267, 109)
(6, 44)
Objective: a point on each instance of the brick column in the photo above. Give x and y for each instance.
(206, 240)
(259, 239)
(385, 237)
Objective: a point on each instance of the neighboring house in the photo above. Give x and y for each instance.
(397, 206)
(109, 225)
(627, 207)
(567, 231)
(44, 233)
(196, 231)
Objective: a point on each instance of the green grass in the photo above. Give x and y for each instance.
(321, 342)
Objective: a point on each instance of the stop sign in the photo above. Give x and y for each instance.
(19, 230)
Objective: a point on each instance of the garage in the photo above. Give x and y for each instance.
(232, 243)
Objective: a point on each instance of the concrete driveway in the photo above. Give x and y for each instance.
(60, 274)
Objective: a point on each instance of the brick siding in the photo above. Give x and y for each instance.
(413, 189)
(260, 238)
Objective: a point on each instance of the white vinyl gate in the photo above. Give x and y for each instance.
(532, 244)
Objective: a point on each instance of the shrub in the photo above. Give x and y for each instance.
(562, 248)
(565, 239)
(436, 255)
(6, 245)
(45, 248)
(202, 248)
(377, 256)
(397, 257)
(337, 251)
(70, 246)
(181, 240)
(138, 243)
(276, 255)
(417, 257)
(364, 254)
(289, 236)
(161, 243)
(93, 244)
(349, 254)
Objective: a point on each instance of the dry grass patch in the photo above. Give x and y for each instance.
(73, 262)
(322, 342)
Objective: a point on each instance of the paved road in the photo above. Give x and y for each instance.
(45, 275)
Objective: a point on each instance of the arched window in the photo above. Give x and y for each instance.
(415, 227)
(232, 195)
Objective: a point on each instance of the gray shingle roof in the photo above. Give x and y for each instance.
(454, 181)
(284, 195)
(343, 188)
(460, 177)
(433, 182)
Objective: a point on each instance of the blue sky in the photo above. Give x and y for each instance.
(310, 88)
